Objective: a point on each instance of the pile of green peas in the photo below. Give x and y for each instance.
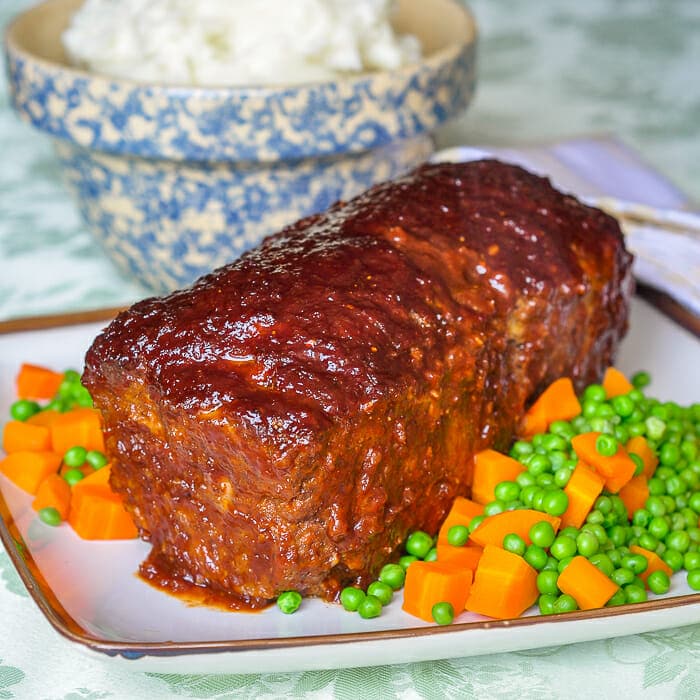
(70, 394)
(667, 525)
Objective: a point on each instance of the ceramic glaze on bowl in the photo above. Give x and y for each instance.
(177, 180)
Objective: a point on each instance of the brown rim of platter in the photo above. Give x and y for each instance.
(56, 614)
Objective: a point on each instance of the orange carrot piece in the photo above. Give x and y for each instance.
(490, 468)
(80, 426)
(45, 417)
(615, 383)
(34, 382)
(634, 494)
(587, 584)
(495, 527)
(28, 469)
(461, 513)
(460, 557)
(617, 470)
(505, 585)
(18, 437)
(535, 420)
(53, 492)
(433, 582)
(97, 512)
(583, 488)
(654, 562)
(639, 446)
(557, 402)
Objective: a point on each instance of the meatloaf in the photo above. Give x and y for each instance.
(284, 423)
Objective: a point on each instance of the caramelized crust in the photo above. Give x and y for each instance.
(287, 421)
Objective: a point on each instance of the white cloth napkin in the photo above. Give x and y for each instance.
(660, 230)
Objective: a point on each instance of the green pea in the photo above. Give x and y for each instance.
(443, 613)
(565, 603)
(635, 593)
(524, 479)
(289, 602)
(606, 445)
(431, 555)
(640, 379)
(494, 508)
(24, 409)
(552, 443)
(562, 428)
(542, 534)
(394, 576)
(618, 598)
(539, 464)
(694, 579)
(691, 560)
(562, 476)
(538, 499)
(658, 582)
(406, 560)
(678, 540)
(602, 425)
(521, 448)
(75, 456)
(674, 559)
(527, 495)
(587, 544)
(648, 541)
(381, 591)
(622, 405)
(535, 556)
(656, 486)
(694, 502)
(562, 547)
(595, 393)
(96, 459)
(547, 582)
(475, 522)
(555, 502)
(370, 607)
(636, 563)
(656, 506)
(552, 564)
(73, 476)
(50, 516)
(602, 562)
(419, 543)
(595, 517)
(636, 428)
(507, 491)
(546, 480)
(655, 427)
(617, 535)
(457, 536)
(569, 531)
(351, 597)
(546, 603)
(622, 576)
(514, 543)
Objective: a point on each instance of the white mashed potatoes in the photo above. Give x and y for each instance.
(236, 42)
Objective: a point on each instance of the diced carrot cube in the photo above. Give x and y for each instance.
(28, 469)
(428, 583)
(587, 584)
(19, 436)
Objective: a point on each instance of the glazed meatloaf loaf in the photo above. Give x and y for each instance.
(285, 422)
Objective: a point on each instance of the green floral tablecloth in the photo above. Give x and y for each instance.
(548, 70)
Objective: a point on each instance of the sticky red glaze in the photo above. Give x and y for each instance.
(285, 423)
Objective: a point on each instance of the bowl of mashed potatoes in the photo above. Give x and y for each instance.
(188, 131)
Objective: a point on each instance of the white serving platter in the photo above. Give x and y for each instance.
(90, 593)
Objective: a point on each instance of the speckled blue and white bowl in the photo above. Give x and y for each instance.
(176, 180)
